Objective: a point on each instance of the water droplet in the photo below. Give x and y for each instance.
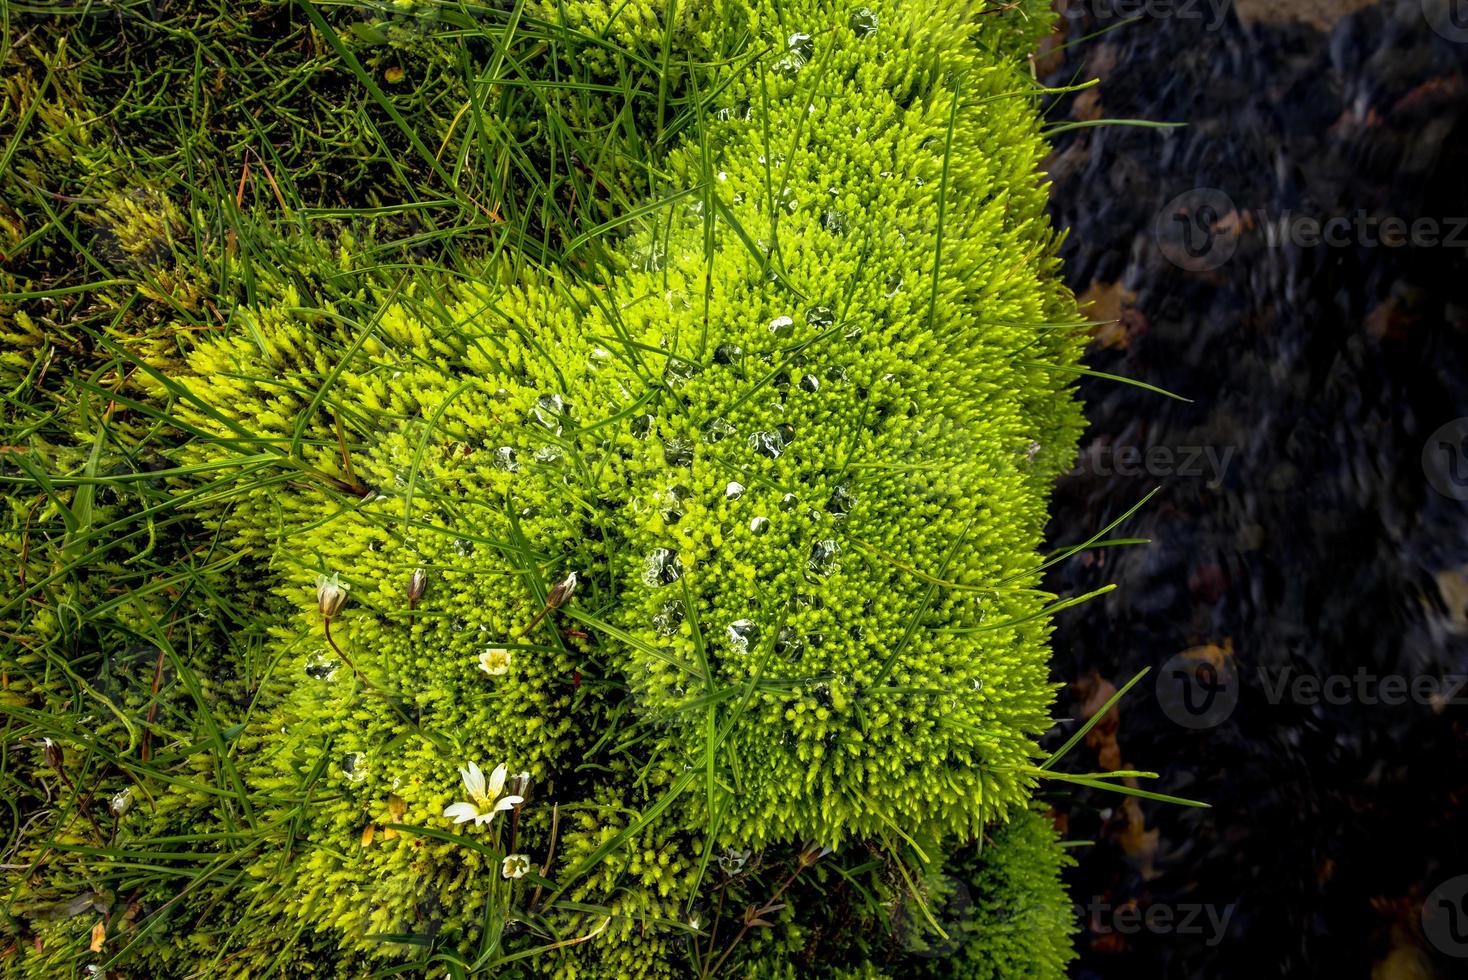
(742, 635)
(893, 285)
(679, 371)
(798, 50)
(767, 444)
(673, 504)
(463, 547)
(728, 354)
(759, 525)
(552, 411)
(836, 374)
(863, 22)
(668, 617)
(354, 766)
(717, 430)
(734, 490)
(782, 326)
(820, 317)
(598, 358)
(504, 459)
(662, 567)
(823, 557)
(642, 425)
(834, 222)
(677, 452)
(321, 667)
(841, 500)
(788, 643)
(786, 431)
(810, 383)
(853, 334)
(788, 502)
(548, 454)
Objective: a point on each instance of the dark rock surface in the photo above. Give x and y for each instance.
(1314, 542)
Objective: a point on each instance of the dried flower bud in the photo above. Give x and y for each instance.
(417, 585)
(121, 803)
(52, 751)
(561, 592)
(331, 595)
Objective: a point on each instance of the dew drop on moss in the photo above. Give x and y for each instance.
(734, 490)
(782, 326)
(788, 502)
(662, 567)
(810, 383)
(504, 459)
(759, 525)
(823, 557)
(321, 667)
(642, 425)
(820, 317)
(742, 634)
(841, 500)
(728, 354)
(668, 618)
(678, 452)
(863, 22)
(551, 411)
(717, 430)
(892, 285)
(799, 47)
(354, 766)
(767, 443)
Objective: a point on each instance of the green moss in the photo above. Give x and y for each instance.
(792, 427)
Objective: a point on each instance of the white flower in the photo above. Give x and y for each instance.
(515, 865)
(331, 595)
(495, 661)
(484, 800)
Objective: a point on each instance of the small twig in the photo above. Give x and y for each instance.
(754, 914)
(550, 851)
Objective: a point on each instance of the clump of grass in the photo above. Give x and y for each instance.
(673, 391)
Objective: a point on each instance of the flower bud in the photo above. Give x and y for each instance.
(417, 585)
(331, 595)
(515, 865)
(561, 592)
(52, 751)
